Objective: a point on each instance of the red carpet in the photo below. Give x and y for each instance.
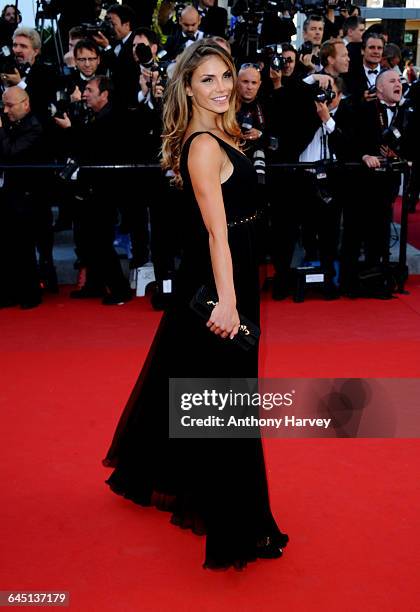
(413, 223)
(349, 506)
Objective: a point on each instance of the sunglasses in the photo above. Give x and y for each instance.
(250, 65)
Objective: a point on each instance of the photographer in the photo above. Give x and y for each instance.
(145, 121)
(118, 58)
(87, 59)
(361, 77)
(334, 58)
(316, 207)
(313, 32)
(28, 73)
(155, 194)
(250, 114)
(20, 142)
(187, 33)
(379, 134)
(152, 73)
(96, 138)
(250, 117)
(75, 34)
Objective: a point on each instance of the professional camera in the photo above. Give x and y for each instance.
(76, 111)
(8, 63)
(146, 60)
(60, 106)
(307, 48)
(145, 56)
(273, 55)
(392, 138)
(100, 26)
(324, 95)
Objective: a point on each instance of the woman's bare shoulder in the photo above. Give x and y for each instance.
(205, 145)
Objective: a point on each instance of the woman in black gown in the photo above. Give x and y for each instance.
(215, 487)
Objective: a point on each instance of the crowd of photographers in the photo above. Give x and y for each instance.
(327, 127)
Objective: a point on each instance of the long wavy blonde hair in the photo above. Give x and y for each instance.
(177, 109)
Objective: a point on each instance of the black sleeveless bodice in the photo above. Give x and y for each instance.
(240, 201)
(239, 190)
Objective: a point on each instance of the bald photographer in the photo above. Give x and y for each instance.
(20, 143)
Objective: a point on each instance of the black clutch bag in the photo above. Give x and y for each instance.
(203, 303)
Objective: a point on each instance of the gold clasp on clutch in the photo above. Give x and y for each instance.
(210, 303)
(244, 329)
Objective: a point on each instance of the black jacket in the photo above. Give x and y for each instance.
(21, 142)
(125, 74)
(372, 121)
(98, 140)
(175, 44)
(294, 121)
(41, 86)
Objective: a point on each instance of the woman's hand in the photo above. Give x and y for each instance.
(224, 320)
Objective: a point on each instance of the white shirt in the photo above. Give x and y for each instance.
(371, 78)
(145, 99)
(314, 151)
(390, 115)
(199, 35)
(118, 48)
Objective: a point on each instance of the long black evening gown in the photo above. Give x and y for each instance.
(213, 486)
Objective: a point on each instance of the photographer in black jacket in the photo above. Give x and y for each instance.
(313, 208)
(153, 196)
(118, 57)
(144, 120)
(37, 79)
(95, 137)
(20, 142)
(380, 134)
(87, 60)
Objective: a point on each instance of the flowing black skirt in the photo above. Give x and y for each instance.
(216, 487)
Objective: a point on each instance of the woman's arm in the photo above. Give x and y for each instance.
(205, 163)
